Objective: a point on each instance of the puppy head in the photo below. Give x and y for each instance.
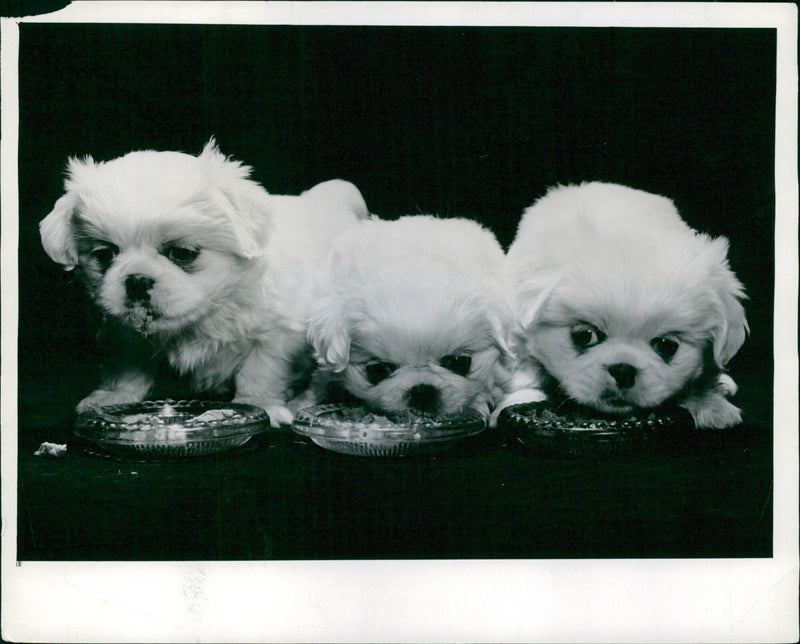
(626, 318)
(407, 330)
(160, 238)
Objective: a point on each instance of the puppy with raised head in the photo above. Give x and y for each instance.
(621, 306)
(410, 316)
(193, 262)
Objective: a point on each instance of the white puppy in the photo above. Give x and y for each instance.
(192, 261)
(410, 316)
(621, 306)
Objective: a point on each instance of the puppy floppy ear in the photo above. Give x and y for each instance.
(328, 335)
(56, 232)
(531, 297)
(241, 200)
(56, 228)
(730, 328)
(500, 316)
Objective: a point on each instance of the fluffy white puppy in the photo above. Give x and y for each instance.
(193, 262)
(621, 306)
(410, 316)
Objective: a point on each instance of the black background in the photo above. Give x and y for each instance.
(474, 122)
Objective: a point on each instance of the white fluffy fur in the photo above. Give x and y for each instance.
(235, 311)
(619, 267)
(410, 293)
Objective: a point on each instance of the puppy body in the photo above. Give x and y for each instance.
(190, 259)
(622, 306)
(410, 316)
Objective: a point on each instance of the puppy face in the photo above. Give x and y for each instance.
(618, 357)
(618, 301)
(411, 352)
(159, 278)
(161, 239)
(406, 327)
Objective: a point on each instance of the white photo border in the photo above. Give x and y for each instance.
(661, 600)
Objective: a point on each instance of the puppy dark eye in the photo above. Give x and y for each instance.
(105, 254)
(458, 363)
(378, 371)
(585, 336)
(665, 347)
(181, 255)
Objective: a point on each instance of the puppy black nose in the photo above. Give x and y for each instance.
(624, 374)
(137, 287)
(423, 398)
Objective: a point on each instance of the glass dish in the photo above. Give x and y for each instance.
(536, 425)
(169, 428)
(357, 431)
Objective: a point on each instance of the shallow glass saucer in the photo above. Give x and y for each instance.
(170, 428)
(358, 431)
(575, 431)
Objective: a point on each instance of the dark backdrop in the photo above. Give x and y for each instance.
(475, 122)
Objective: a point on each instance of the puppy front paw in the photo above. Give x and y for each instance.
(124, 387)
(308, 398)
(279, 413)
(713, 411)
(726, 385)
(516, 398)
(102, 397)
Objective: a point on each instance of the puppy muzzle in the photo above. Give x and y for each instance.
(423, 397)
(137, 288)
(624, 374)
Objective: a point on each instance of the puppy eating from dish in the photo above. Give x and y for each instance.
(410, 317)
(620, 306)
(194, 264)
